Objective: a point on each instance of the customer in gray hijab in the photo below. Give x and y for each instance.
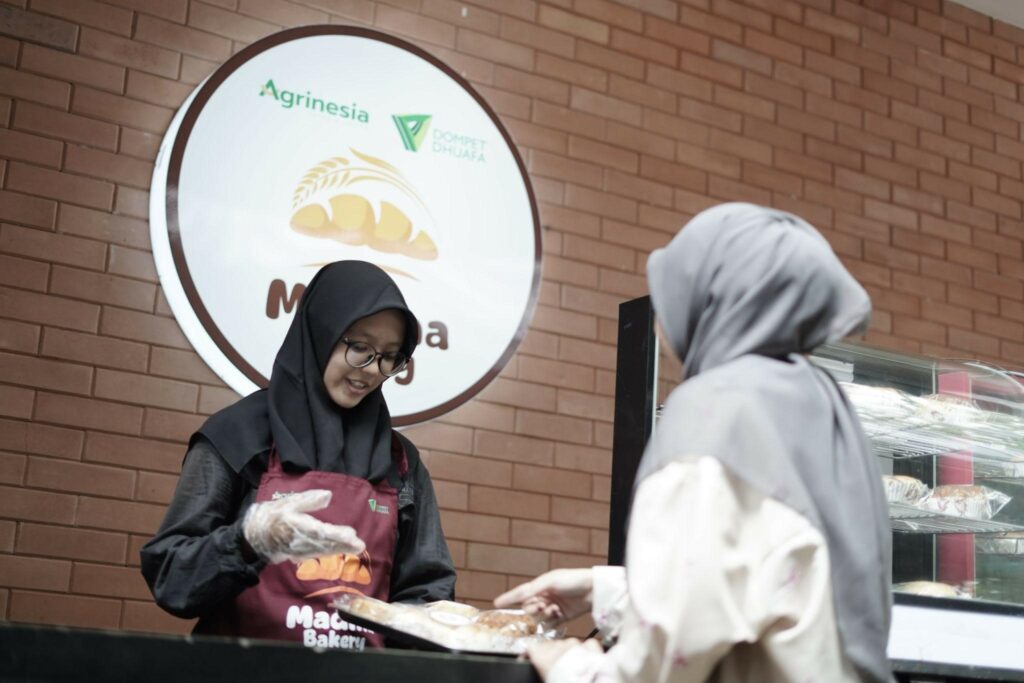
(742, 294)
(758, 545)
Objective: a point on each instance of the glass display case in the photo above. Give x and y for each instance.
(949, 435)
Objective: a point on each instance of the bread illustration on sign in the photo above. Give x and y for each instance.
(336, 183)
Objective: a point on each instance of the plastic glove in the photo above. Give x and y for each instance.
(281, 530)
(556, 596)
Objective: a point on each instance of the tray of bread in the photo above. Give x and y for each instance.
(447, 626)
(1010, 543)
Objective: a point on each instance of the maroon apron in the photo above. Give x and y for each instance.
(292, 601)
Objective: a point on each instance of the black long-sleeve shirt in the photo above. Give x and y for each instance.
(198, 559)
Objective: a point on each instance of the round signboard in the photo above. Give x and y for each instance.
(327, 143)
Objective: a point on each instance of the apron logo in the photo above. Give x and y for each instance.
(380, 509)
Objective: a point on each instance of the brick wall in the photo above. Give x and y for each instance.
(891, 125)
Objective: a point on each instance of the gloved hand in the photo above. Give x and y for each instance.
(558, 595)
(281, 530)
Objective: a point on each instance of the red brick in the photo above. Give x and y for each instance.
(801, 35)
(559, 427)
(116, 515)
(974, 176)
(919, 329)
(882, 43)
(675, 34)
(505, 502)
(1009, 287)
(229, 24)
(947, 106)
(834, 154)
(89, 413)
(945, 270)
(130, 53)
(487, 557)
(975, 258)
(103, 580)
(968, 95)
(23, 273)
(580, 512)
(65, 610)
(946, 187)
(972, 299)
(45, 374)
(154, 487)
(610, 60)
(30, 148)
(807, 123)
(72, 68)
(34, 572)
(12, 471)
(998, 203)
(31, 437)
(61, 186)
(922, 201)
(39, 506)
(863, 141)
(71, 543)
(88, 13)
(1002, 165)
(571, 72)
(970, 215)
(725, 189)
(992, 84)
(855, 55)
(116, 109)
(550, 536)
(862, 183)
(494, 49)
(170, 425)
(38, 308)
(415, 26)
(99, 480)
(26, 209)
(947, 314)
(64, 126)
(914, 241)
(148, 618)
(21, 337)
(133, 452)
(56, 248)
(471, 527)
(103, 226)
(1008, 71)
(102, 288)
(890, 256)
(973, 342)
(998, 327)
(25, 86)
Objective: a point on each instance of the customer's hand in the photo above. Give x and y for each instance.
(281, 530)
(558, 595)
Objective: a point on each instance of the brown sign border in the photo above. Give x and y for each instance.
(174, 231)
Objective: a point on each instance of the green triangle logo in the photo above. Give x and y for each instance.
(373, 505)
(412, 128)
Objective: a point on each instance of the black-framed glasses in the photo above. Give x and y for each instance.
(360, 354)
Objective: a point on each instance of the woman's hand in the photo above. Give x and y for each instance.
(281, 530)
(556, 596)
(545, 655)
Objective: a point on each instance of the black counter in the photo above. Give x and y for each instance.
(31, 653)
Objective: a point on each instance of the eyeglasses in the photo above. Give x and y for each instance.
(360, 354)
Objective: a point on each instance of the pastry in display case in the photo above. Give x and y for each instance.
(950, 438)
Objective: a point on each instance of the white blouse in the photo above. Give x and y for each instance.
(721, 584)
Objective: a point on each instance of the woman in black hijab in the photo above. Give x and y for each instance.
(303, 491)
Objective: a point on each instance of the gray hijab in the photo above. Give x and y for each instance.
(742, 292)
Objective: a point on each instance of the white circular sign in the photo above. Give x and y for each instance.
(327, 143)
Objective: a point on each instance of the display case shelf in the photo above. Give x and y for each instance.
(910, 519)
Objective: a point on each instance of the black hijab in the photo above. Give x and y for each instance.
(295, 414)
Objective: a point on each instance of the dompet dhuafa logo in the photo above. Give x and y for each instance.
(412, 128)
(281, 162)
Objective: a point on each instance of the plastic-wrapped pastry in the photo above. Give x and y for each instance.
(930, 588)
(903, 489)
(948, 409)
(965, 500)
(878, 403)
